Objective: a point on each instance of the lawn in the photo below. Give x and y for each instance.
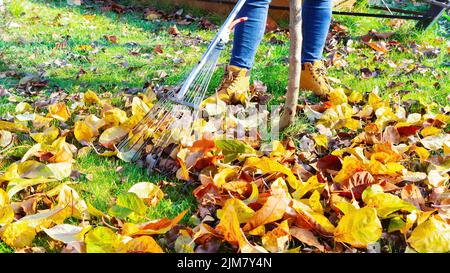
(79, 48)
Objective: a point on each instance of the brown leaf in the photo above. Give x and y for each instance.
(111, 38)
(412, 194)
(273, 210)
(307, 237)
(329, 162)
(406, 131)
(378, 46)
(357, 183)
(173, 30)
(158, 49)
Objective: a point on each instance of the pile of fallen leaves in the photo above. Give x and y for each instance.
(373, 177)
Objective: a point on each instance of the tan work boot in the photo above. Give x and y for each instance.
(234, 88)
(314, 78)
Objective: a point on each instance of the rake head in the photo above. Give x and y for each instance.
(171, 118)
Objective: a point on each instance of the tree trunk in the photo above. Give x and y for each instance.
(295, 65)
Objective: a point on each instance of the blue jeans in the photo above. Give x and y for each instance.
(248, 35)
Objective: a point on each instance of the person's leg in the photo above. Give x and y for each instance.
(248, 35)
(316, 15)
(235, 84)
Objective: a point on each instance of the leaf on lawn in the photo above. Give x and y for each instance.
(128, 203)
(13, 127)
(112, 136)
(6, 138)
(18, 184)
(85, 131)
(59, 111)
(103, 240)
(6, 215)
(150, 193)
(47, 136)
(18, 235)
(159, 226)
(67, 233)
(91, 98)
(143, 244)
(359, 228)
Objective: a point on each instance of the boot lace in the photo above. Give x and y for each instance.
(230, 80)
(321, 71)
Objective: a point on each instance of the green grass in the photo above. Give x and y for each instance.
(106, 183)
(32, 28)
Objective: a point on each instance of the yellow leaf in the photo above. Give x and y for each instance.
(314, 202)
(103, 240)
(47, 218)
(223, 176)
(277, 149)
(86, 130)
(40, 121)
(447, 148)
(6, 215)
(138, 107)
(337, 96)
(384, 203)
(59, 111)
(91, 98)
(184, 243)
(4, 199)
(432, 236)
(359, 228)
(114, 117)
(13, 127)
(277, 239)
(430, 131)
(47, 136)
(267, 165)
(23, 107)
(345, 207)
(243, 212)
(315, 220)
(339, 116)
(143, 244)
(355, 97)
(229, 225)
(350, 166)
(311, 184)
(18, 235)
(148, 192)
(422, 153)
(321, 140)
